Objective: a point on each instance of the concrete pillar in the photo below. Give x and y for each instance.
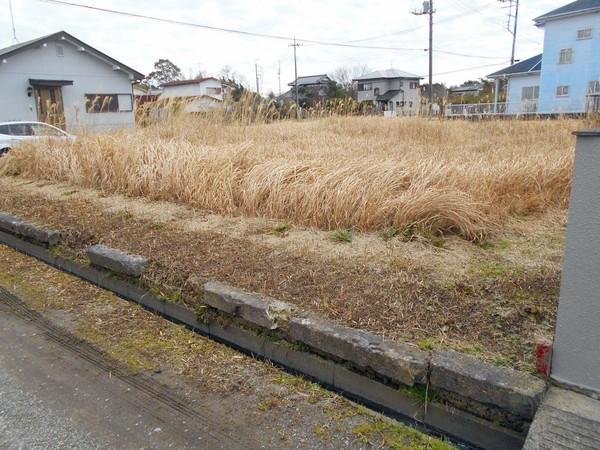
(576, 358)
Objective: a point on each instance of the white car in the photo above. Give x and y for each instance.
(13, 133)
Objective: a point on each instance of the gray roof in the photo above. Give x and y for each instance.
(577, 7)
(22, 46)
(531, 65)
(468, 87)
(311, 80)
(389, 73)
(388, 95)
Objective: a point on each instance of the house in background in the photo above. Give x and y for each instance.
(468, 88)
(199, 95)
(392, 91)
(311, 89)
(61, 80)
(565, 78)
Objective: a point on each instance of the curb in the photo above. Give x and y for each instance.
(332, 373)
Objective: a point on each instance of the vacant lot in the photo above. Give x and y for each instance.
(365, 174)
(362, 220)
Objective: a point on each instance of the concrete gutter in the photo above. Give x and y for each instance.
(477, 403)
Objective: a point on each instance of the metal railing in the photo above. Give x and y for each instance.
(491, 109)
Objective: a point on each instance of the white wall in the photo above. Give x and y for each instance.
(89, 74)
(193, 90)
(515, 89)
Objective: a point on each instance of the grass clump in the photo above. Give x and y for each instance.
(342, 236)
(398, 437)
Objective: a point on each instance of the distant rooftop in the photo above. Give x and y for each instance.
(310, 80)
(184, 82)
(575, 8)
(531, 65)
(389, 73)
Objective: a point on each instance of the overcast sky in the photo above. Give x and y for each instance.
(471, 27)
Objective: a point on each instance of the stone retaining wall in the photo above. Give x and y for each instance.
(356, 362)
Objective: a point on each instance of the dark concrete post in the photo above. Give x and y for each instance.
(576, 360)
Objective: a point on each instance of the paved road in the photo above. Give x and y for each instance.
(56, 392)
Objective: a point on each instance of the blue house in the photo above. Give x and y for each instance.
(565, 78)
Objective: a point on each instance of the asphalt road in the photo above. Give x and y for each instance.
(57, 392)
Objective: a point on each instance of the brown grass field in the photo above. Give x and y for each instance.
(359, 173)
(444, 234)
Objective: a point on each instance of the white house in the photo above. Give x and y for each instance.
(199, 95)
(392, 91)
(565, 78)
(63, 81)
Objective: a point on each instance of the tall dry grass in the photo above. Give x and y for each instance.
(367, 173)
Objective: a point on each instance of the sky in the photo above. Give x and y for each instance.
(474, 28)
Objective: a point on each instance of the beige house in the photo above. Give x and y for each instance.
(200, 94)
(392, 91)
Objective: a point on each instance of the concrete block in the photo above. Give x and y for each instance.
(378, 393)
(14, 225)
(255, 308)
(467, 376)
(238, 337)
(398, 362)
(116, 260)
(565, 420)
(466, 427)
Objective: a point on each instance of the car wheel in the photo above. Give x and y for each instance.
(4, 151)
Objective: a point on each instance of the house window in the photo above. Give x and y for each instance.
(594, 88)
(413, 84)
(376, 91)
(214, 91)
(60, 51)
(530, 93)
(585, 33)
(562, 91)
(104, 103)
(566, 56)
(125, 102)
(365, 86)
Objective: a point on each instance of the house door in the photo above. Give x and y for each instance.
(50, 107)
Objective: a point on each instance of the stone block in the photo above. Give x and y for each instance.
(116, 260)
(365, 350)
(257, 309)
(470, 377)
(16, 226)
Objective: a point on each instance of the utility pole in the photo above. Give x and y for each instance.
(257, 83)
(512, 29)
(279, 75)
(428, 10)
(296, 45)
(12, 20)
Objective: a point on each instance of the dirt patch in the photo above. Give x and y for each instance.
(493, 301)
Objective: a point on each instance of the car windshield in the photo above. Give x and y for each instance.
(40, 129)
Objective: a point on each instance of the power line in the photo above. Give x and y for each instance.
(471, 68)
(226, 30)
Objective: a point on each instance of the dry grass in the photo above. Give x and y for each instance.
(363, 173)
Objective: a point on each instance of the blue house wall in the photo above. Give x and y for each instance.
(585, 66)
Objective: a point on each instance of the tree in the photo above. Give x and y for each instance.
(164, 72)
(234, 81)
(344, 75)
